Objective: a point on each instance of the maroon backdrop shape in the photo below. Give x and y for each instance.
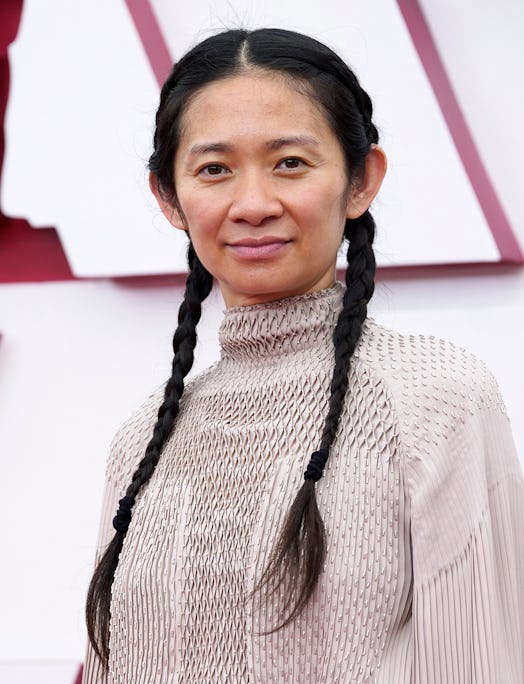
(26, 254)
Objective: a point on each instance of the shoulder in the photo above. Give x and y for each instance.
(132, 437)
(427, 365)
(130, 440)
(434, 383)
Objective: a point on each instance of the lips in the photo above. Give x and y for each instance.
(264, 247)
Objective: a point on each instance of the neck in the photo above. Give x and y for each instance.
(281, 327)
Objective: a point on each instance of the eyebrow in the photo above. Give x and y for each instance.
(275, 144)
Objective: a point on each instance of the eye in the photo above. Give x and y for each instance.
(212, 170)
(291, 163)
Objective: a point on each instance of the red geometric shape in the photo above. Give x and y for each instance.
(78, 678)
(31, 255)
(10, 13)
(26, 255)
(152, 39)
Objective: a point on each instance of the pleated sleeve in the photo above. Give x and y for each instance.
(467, 531)
(127, 449)
(93, 671)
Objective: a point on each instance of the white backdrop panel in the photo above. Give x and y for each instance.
(81, 111)
(481, 45)
(78, 129)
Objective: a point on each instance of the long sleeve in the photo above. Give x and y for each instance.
(468, 552)
(127, 448)
(93, 671)
(466, 511)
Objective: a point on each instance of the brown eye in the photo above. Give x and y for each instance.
(291, 163)
(212, 170)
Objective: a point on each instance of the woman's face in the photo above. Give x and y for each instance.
(262, 188)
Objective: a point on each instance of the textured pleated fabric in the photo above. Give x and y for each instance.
(422, 499)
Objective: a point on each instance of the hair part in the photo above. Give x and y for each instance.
(316, 71)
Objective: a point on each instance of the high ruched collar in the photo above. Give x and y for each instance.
(281, 327)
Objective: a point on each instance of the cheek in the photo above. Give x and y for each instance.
(201, 213)
(325, 213)
(323, 207)
(328, 194)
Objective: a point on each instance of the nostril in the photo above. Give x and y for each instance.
(255, 209)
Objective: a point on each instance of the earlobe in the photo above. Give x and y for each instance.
(364, 193)
(169, 210)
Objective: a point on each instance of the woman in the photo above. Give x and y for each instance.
(331, 501)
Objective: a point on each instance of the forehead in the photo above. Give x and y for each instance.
(256, 102)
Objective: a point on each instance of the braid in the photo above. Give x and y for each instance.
(198, 286)
(300, 551)
(360, 286)
(301, 547)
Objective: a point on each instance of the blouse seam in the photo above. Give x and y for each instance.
(473, 533)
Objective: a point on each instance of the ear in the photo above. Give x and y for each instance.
(363, 194)
(169, 210)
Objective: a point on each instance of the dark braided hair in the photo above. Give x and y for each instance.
(318, 72)
(198, 286)
(301, 547)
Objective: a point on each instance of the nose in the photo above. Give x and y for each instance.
(254, 199)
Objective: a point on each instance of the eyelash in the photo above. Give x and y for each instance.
(212, 166)
(301, 163)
